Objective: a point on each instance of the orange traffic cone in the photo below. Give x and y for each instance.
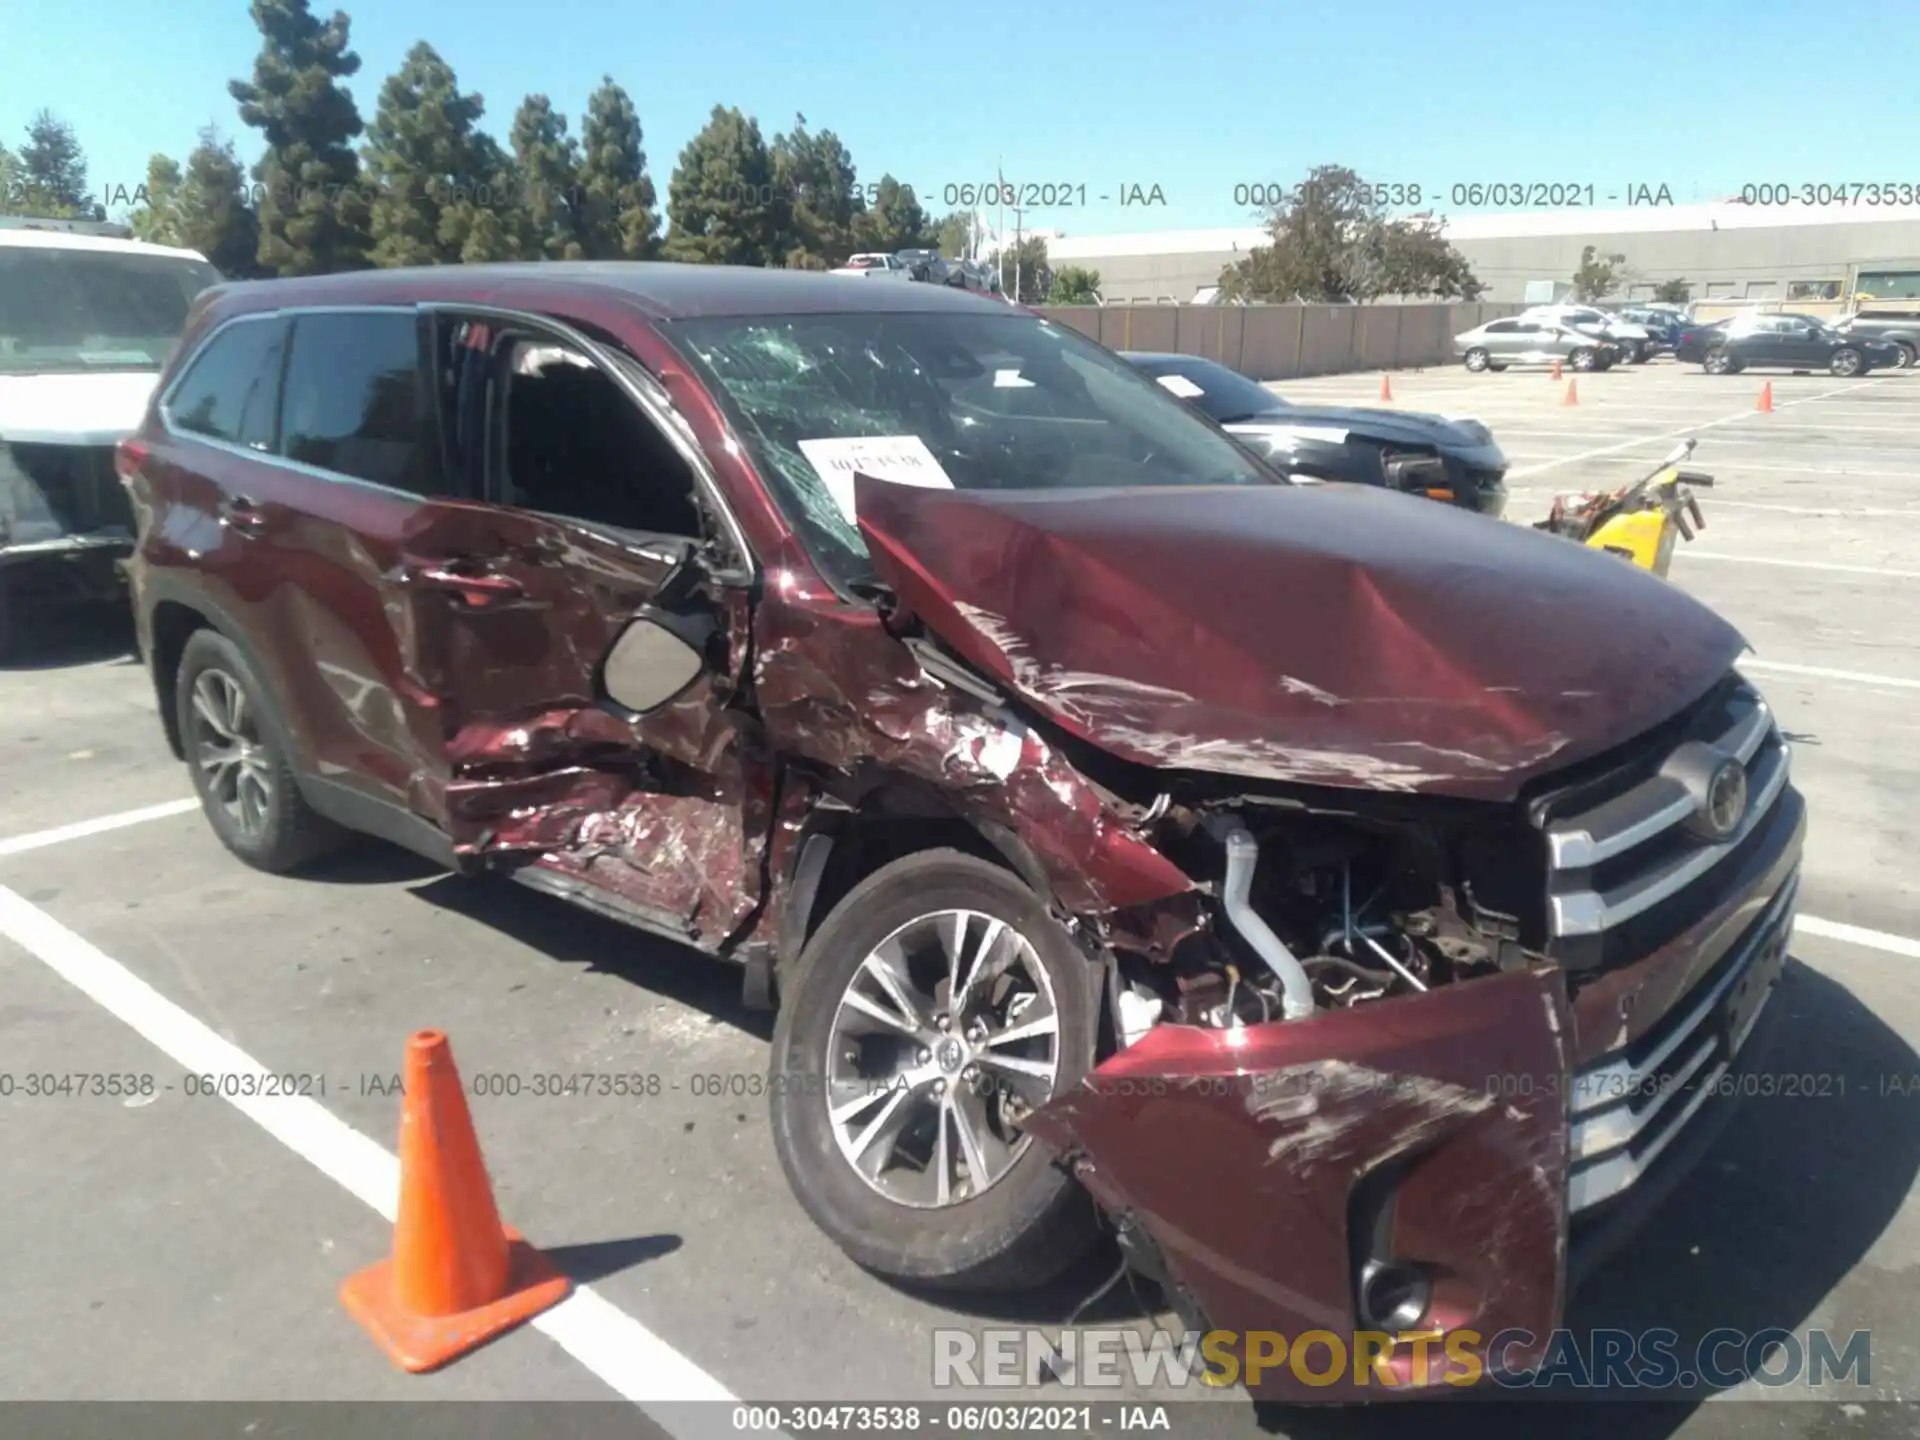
(1765, 406)
(457, 1277)
(1556, 371)
(1573, 393)
(1386, 388)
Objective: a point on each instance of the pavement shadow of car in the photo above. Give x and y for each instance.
(68, 636)
(578, 937)
(1785, 1205)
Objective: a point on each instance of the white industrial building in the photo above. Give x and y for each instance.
(1725, 251)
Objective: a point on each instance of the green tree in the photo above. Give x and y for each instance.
(620, 216)
(432, 177)
(815, 178)
(211, 209)
(486, 218)
(156, 220)
(1024, 272)
(10, 184)
(1594, 279)
(954, 235)
(548, 160)
(53, 171)
(1332, 241)
(895, 220)
(313, 216)
(1074, 285)
(1673, 292)
(722, 202)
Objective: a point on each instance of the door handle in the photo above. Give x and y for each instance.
(238, 513)
(476, 587)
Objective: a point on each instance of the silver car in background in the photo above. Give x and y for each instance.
(1526, 340)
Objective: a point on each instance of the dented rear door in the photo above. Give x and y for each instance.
(505, 620)
(1271, 1163)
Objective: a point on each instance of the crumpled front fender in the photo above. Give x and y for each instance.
(1268, 1162)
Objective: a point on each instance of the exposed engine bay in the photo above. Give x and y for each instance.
(1312, 912)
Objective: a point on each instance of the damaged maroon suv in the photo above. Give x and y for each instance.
(1351, 904)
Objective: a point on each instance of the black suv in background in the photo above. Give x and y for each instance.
(1900, 328)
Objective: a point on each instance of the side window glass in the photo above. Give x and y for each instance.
(229, 390)
(355, 403)
(576, 445)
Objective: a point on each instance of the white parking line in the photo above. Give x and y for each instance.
(1804, 565)
(80, 830)
(1685, 431)
(1854, 935)
(1820, 672)
(1839, 512)
(638, 1364)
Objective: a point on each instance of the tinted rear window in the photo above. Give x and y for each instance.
(354, 401)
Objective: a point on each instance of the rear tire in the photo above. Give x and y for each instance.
(1718, 361)
(896, 1217)
(1908, 354)
(237, 754)
(1585, 358)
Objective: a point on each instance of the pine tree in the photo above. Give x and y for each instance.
(620, 217)
(211, 212)
(312, 212)
(895, 220)
(814, 175)
(548, 161)
(157, 221)
(421, 158)
(10, 182)
(724, 206)
(53, 171)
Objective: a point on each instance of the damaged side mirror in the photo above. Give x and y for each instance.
(656, 660)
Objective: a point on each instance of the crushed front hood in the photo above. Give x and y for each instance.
(1332, 635)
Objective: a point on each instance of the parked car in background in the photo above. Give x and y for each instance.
(1525, 341)
(1794, 342)
(1899, 328)
(925, 265)
(1115, 827)
(875, 265)
(1662, 326)
(86, 321)
(1697, 337)
(1452, 458)
(1632, 340)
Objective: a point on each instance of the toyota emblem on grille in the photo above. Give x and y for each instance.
(1725, 803)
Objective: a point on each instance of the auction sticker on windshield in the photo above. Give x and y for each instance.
(903, 459)
(1180, 385)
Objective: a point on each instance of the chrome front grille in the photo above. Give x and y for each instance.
(1627, 853)
(1629, 1105)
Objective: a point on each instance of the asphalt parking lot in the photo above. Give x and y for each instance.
(171, 1246)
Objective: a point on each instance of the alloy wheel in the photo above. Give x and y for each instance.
(228, 749)
(944, 1040)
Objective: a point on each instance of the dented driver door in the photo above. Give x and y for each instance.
(527, 642)
(1291, 1176)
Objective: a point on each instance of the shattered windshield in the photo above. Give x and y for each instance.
(74, 310)
(985, 401)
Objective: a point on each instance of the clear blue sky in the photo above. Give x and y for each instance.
(1700, 95)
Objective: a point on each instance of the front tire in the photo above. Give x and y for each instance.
(1847, 362)
(1584, 358)
(1719, 361)
(1478, 360)
(238, 757)
(899, 1134)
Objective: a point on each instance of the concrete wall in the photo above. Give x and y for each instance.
(1719, 264)
(1283, 342)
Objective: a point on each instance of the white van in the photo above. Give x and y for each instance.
(86, 321)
